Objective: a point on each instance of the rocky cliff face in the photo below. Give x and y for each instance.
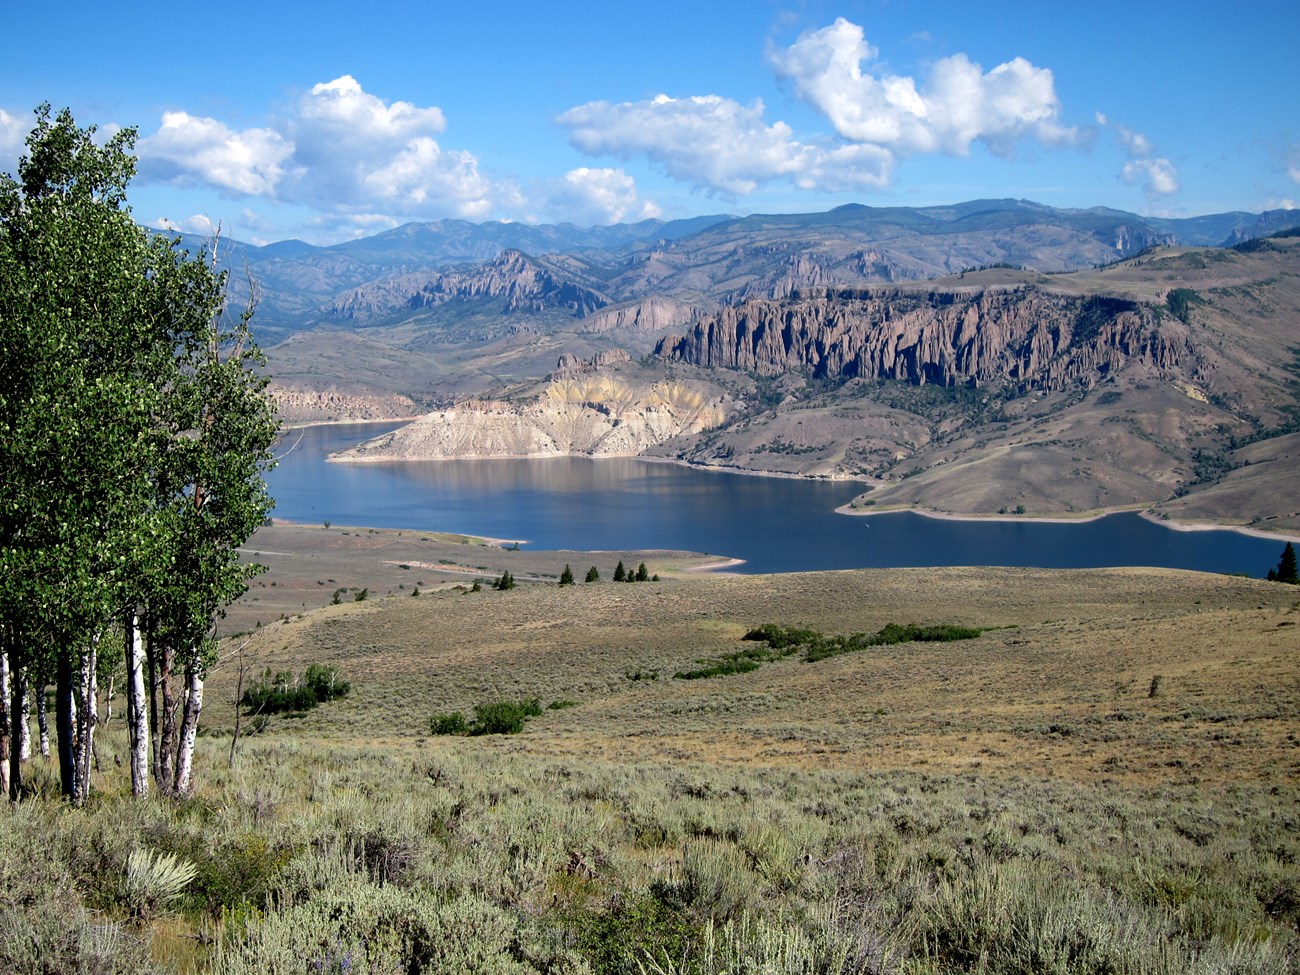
(571, 366)
(598, 416)
(654, 314)
(519, 283)
(1032, 338)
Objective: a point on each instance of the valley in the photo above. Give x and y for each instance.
(1165, 379)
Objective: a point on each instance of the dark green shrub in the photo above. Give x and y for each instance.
(283, 692)
(239, 873)
(727, 665)
(1179, 300)
(452, 723)
(503, 717)
(784, 641)
(325, 682)
(593, 575)
(620, 939)
(492, 718)
(566, 577)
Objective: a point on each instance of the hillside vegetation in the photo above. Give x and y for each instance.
(1103, 780)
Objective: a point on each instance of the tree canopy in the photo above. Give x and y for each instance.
(134, 429)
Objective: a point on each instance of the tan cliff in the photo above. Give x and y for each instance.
(582, 415)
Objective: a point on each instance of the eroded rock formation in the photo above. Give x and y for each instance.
(592, 415)
(570, 366)
(1033, 338)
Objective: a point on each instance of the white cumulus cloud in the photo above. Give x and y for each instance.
(716, 143)
(200, 224)
(599, 197)
(957, 105)
(1145, 167)
(12, 136)
(358, 153)
(339, 150)
(188, 149)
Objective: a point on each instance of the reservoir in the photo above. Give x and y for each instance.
(774, 524)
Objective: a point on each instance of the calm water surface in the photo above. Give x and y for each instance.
(774, 524)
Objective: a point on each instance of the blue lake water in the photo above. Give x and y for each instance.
(774, 524)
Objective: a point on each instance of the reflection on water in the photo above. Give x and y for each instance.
(775, 524)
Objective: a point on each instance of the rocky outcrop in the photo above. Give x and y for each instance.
(571, 366)
(518, 282)
(1031, 338)
(597, 416)
(654, 314)
(328, 405)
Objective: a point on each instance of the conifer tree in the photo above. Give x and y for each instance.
(1286, 567)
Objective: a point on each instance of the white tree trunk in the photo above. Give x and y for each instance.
(22, 697)
(87, 718)
(189, 730)
(6, 726)
(43, 721)
(137, 710)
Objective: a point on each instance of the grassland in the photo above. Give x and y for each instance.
(1104, 780)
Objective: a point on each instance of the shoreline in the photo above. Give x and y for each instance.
(1143, 511)
(722, 566)
(304, 424)
(1209, 526)
(447, 536)
(753, 472)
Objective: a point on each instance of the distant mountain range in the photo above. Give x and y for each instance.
(703, 263)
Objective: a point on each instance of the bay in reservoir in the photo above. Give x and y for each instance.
(774, 524)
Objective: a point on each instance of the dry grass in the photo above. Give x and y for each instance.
(1058, 687)
(1014, 804)
(308, 564)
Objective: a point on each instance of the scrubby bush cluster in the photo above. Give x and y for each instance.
(786, 641)
(429, 860)
(283, 691)
(491, 718)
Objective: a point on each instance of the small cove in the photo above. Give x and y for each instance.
(774, 524)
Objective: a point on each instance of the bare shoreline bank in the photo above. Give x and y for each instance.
(1142, 511)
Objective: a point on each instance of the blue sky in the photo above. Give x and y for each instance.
(332, 120)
